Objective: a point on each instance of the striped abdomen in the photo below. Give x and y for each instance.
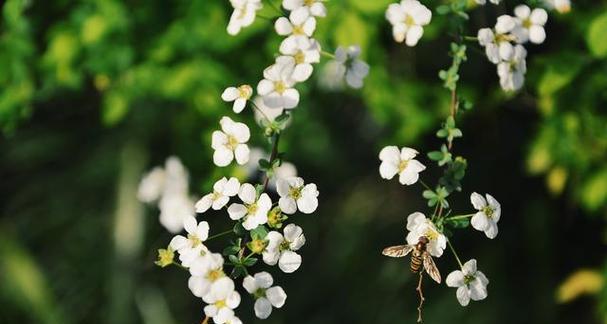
(416, 261)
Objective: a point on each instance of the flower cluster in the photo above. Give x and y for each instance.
(260, 212)
(471, 284)
(504, 43)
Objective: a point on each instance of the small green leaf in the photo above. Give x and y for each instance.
(239, 230)
(435, 155)
(259, 233)
(233, 259)
(249, 262)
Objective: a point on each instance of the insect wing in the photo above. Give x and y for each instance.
(397, 251)
(431, 268)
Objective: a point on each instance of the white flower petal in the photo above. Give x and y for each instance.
(263, 308)
(289, 261)
(237, 211)
(230, 94)
(247, 193)
(276, 296)
(479, 221)
(249, 284)
(204, 203)
(287, 205)
(242, 154)
(263, 280)
(223, 157)
(292, 232)
(455, 279)
(463, 296)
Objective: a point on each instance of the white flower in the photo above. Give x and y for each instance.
(407, 19)
(192, 246)
(239, 95)
(470, 283)
(489, 212)
(299, 23)
(418, 226)
(277, 86)
(400, 162)
(243, 15)
(151, 185)
(281, 249)
(174, 209)
(222, 191)
(314, 7)
(350, 67)
(562, 6)
(512, 70)
(205, 270)
(497, 42)
(482, 2)
(221, 300)
(301, 52)
(254, 211)
(294, 195)
(230, 143)
(168, 186)
(530, 26)
(265, 295)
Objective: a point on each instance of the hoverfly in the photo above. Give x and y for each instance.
(420, 258)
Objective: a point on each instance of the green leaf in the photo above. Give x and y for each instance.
(428, 194)
(264, 164)
(249, 262)
(435, 155)
(239, 230)
(596, 36)
(232, 249)
(259, 233)
(459, 223)
(238, 271)
(234, 259)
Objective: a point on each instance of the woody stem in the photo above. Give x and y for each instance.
(421, 297)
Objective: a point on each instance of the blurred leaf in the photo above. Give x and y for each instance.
(581, 282)
(594, 190)
(371, 7)
(596, 36)
(352, 30)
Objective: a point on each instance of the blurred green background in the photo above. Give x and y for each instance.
(95, 92)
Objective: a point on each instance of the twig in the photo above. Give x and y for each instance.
(421, 297)
(219, 235)
(272, 158)
(205, 320)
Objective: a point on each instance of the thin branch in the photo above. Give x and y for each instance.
(268, 120)
(459, 217)
(455, 254)
(273, 156)
(219, 235)
(421, 297)
(205, 320)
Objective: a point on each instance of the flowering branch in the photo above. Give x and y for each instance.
(428, 237)
(260, 231)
